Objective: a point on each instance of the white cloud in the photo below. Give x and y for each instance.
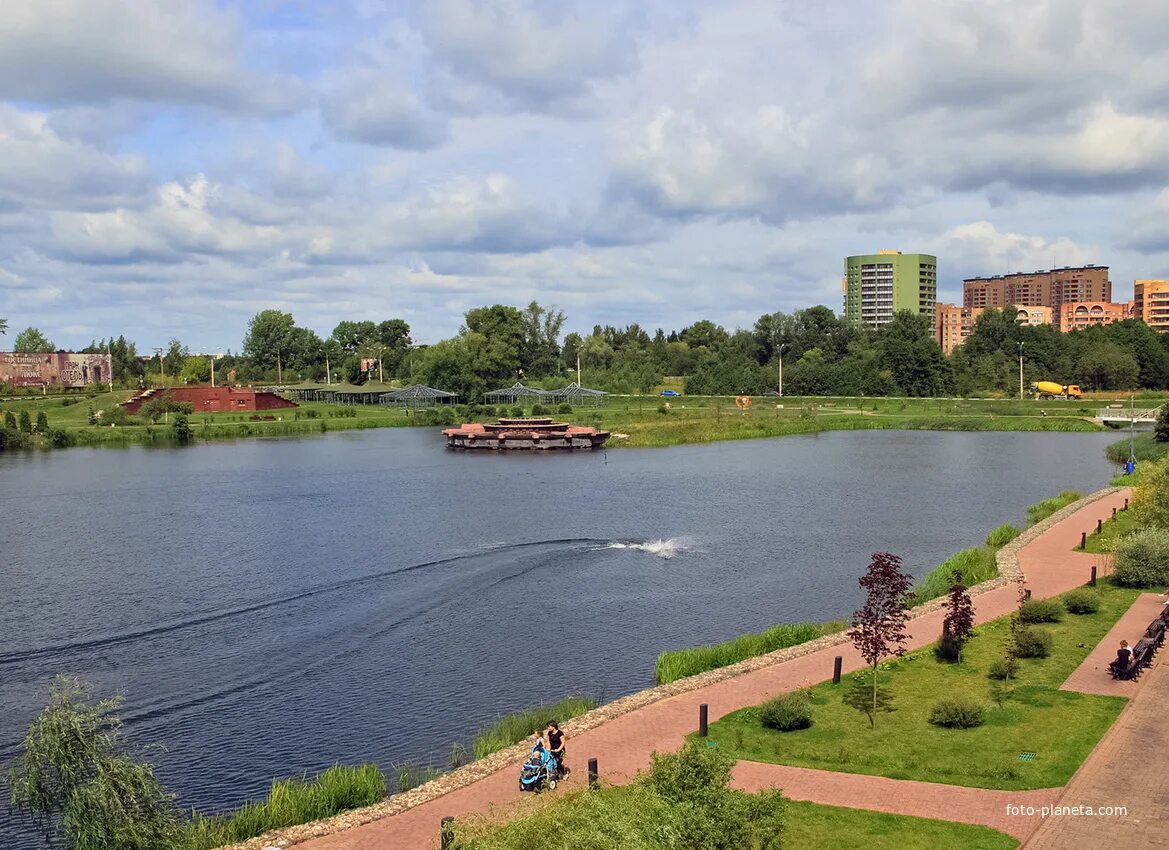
(99, 51)
(533, 54)
(979, 245)
(42, 169)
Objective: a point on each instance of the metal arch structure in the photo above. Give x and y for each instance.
(417, 397)
(514, 393)
(577, 396)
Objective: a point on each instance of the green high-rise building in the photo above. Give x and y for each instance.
(878, 285)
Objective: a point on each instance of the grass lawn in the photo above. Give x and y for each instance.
(1060, 727)
(1123, 523)
(814, 827)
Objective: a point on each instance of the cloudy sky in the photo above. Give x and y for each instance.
(171, 167)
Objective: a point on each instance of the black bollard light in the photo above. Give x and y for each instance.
(446, 828)
(1126, 504)
(836, 665)
(1027, 594)
(1099, 525)
(702, 717)
(1114, 513)
(593, 774)
(1092, 581)
(1083, 540)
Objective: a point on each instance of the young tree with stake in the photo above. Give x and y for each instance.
(878, 628)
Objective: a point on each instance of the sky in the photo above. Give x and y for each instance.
(168, 168)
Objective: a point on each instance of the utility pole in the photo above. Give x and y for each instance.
(212, 359)
(578, 383)
(1021, 371)
(161, 367)
(110, 358)
(279, 371)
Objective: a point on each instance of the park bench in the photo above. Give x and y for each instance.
(1156, 633)
(1142, 655)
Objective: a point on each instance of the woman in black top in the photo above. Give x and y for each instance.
(556, 740)
(1123, 657)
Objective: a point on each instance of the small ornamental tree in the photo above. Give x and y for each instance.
(958, 624)
(25, 422)
(42, 422)
(878, 628)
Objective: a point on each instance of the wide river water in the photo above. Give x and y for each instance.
(272, 607)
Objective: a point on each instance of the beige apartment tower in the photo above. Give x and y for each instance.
(1151, 303)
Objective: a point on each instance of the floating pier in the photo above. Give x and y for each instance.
(524, 435)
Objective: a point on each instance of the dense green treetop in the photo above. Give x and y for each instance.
(32, 341)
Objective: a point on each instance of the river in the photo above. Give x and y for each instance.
(270, 607)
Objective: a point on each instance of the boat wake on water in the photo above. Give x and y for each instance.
(661, 548)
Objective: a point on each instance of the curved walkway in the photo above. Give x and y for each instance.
(623, 745)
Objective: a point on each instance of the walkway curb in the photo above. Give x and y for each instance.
(1010, 572)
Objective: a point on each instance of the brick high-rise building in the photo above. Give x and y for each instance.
(953, 324)
(1039, 289)
(1151, 303)
(1082, 314)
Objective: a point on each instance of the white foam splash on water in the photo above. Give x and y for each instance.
(661, 548)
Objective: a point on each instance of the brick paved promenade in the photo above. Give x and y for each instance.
(623, 745)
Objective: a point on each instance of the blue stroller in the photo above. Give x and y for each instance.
(539, 771)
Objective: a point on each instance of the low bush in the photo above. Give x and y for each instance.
(1003, 668)
(289, 802)
(787, 712)
(1042, 510)
(516, 412)
(1002, 535)
(664, 408)
(1081, 601)
(680, 663)
(539, 410)
(1041, 611)
(948, 648)
(564, 408)
(1033, 643)
(974, 565)
(957, 713)
(513, 728)
(1141, 559)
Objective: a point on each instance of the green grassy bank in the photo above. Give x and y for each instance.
(646, 421)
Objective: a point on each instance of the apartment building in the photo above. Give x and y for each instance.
(878, 285)
(1076, 316)
(954, 324)
(1054, 288)
(1151, 303)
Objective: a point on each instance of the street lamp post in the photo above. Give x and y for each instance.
(1020, 371)
(781, 370)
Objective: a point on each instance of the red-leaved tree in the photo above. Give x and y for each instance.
(958, 625)
(878, 629)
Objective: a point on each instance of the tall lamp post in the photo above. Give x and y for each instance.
(781, 370)
(161, 367)
(1020, 371)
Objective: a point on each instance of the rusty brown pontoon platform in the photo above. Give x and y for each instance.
(524, 435)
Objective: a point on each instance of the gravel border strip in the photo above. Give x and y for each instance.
(1010, 572)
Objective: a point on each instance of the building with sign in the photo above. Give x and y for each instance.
(59, 369)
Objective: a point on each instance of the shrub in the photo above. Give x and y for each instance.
(664, 409)
(1042, 510)
(1002, 535)
(1141, 559)
(1033, 643)
(312, 414)
(539, 410)
(1041, 611)
(59, 438)
(516, 412)
(787, 712)
(949, 648)
(957, 713)
(1151, 501)
(564, 408)
(975, 565)
(25, 422)
(513, 728)
(9, 420)
(289, 802)
(42, 426)
(181, 428)
(1081, 601)
(1003, 668)
(680, 663)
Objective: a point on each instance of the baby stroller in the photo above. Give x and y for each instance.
(539, 771)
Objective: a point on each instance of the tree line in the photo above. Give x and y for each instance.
(812, 351)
